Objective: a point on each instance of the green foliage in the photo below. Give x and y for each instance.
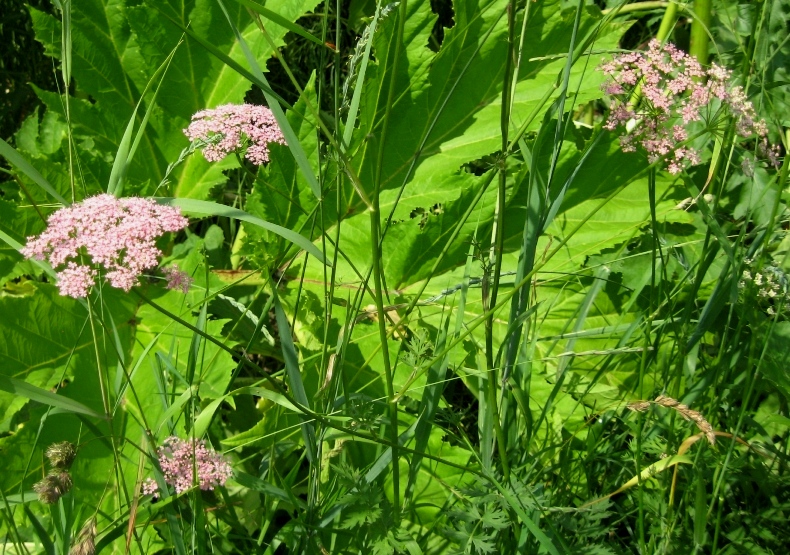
(450, 316)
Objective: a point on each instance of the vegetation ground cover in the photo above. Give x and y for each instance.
(459, 276)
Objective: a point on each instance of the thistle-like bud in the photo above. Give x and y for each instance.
(53, 486)
(61, 455)
(85, 544)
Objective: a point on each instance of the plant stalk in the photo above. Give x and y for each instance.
(699, 30)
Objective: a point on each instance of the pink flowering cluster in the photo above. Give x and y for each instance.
(116, 235)
(232, 127)
(185, 463)
(673, 95)
(176, 279)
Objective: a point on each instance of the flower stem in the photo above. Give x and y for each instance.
(667, 22)
(699, 30)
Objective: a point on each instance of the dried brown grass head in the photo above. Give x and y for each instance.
(684, 410)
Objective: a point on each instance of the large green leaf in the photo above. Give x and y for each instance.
(46, 339)
(446, 115)
(775, 364)
(117, 47)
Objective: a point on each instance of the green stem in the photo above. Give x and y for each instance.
(375, 239)
(65, 47)
(497, 239)
(642, 7)
(699, 30)
(667, 22)
(375, 232)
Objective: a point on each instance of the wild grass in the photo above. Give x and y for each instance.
(451, 315)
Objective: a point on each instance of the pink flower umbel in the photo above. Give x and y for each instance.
(672, 96)
(186, 463)
(232, 127)
(103, 234)
(176, 279)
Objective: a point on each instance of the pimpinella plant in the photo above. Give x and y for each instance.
(104, 236)
(185, 463)
(659, 93)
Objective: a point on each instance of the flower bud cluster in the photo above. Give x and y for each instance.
(116, 235)
(232, 128)
(673, 95)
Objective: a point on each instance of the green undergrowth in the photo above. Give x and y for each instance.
(484, 327)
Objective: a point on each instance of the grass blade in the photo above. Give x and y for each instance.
(353, 110)
(209, 208)
(281, 21)
(9, 153)
(274, 104)
(294, 375)
(123, 157)
(41, 532)
(28, 391)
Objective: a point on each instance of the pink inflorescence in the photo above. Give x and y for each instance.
(177, 279)
(673, 96)
(185, 463)
(232, 127)
(103, 232)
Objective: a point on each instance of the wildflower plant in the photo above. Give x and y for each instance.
(659, 93)
(442, 365)
(104, 235)
(233, 128)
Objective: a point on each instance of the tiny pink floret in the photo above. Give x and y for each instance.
(672, 92)
(104, 232)
(233, 127)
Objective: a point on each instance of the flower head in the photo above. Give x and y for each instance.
(766, 287)
(671, 94)
(185, 463)
(176, 279)
(232, 127)
(104, 232)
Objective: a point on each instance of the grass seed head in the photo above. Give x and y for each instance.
(53, 486)
(85, 542)
(61, 454)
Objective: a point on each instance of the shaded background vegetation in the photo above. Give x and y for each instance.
(22, 61)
